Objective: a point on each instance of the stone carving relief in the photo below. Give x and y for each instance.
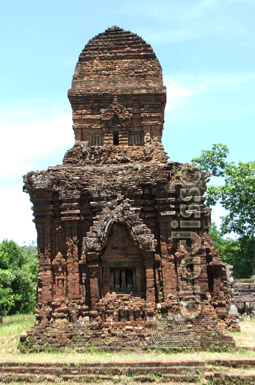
(59, 274)
(96, 238)
(116, 115)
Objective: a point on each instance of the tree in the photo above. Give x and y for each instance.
(233, 251)
(18, 279)
(236, 195)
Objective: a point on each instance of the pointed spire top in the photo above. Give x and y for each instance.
(114, 28)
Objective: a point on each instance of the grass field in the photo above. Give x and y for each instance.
(13, 326)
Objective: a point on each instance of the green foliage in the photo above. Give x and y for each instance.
(238, 253)
(18, 278)
(213, 160)
(236, 195)
(243, 257)
(226, 247)
(10, 255)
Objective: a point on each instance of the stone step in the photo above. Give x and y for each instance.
(156, 372)
(26, 377)
(54, 370)
(106, 364)
(167, 377)
(35, 378)
(218, 378)
(237, 363)
(119, 372)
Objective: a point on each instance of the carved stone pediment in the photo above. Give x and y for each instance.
(116, 115)
(124, 213)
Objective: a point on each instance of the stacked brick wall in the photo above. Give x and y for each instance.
(122, 231)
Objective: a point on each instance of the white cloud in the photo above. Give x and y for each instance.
(178, 92)
(181, 88)
(27, 133)
(16, 216)
(217, 213)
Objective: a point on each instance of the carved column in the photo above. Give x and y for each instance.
(72, 260)
(93, 272)
(106, 278)
(149, 272)
(169, 278)
(45, 268)
(140, 280)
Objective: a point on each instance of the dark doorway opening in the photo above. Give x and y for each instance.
(116, 138)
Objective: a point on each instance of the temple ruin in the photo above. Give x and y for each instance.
(122, 231)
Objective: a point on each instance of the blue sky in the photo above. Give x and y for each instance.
(205, 47)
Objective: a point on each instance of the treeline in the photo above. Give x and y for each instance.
(237, 196)
(18, 278)
(236, 252)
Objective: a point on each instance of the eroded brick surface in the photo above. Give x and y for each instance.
(122, 231)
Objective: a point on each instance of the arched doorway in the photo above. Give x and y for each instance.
(122, 264)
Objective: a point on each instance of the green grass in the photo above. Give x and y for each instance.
(10, 331)
(247, 335)
(13, 326)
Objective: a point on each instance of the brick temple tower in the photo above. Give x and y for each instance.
(122, 231)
